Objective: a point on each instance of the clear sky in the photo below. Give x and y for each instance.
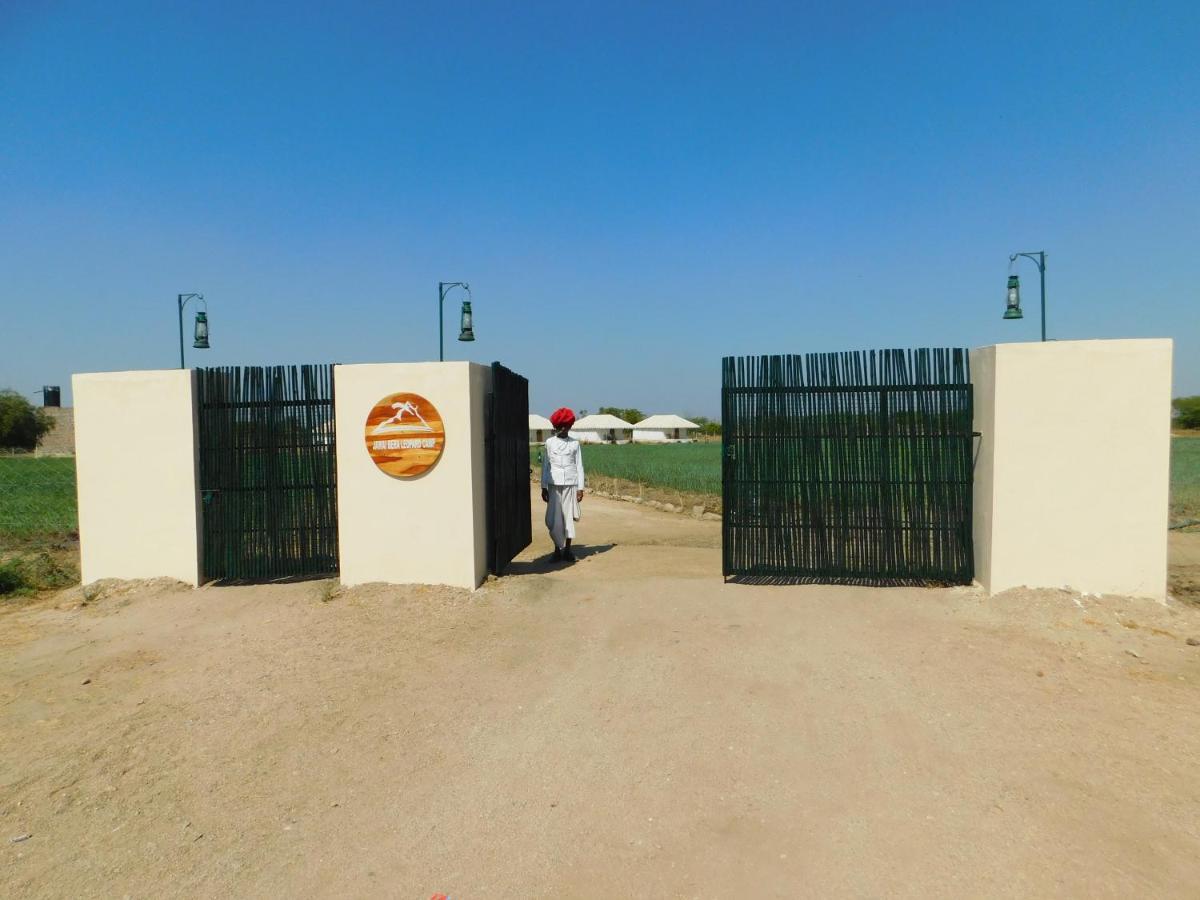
(633, 189)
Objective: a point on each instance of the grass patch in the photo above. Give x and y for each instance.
(1185, 478)
(691, 468)
(26, 574)
(12, 578)
(37, 500)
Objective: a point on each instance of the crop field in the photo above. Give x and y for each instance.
(696, 468)
(1185, 478)
(693, 468)
(37, 498)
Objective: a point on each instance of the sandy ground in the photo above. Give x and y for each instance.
(629, 726)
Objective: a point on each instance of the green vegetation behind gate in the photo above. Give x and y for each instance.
(693, 468)
(1185, 478)
(696, 468)
(37, 496)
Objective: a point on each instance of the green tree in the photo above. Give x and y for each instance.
(632, 415)
(1188, 412)
(21, 423)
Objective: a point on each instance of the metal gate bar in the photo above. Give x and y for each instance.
(508, 522)
(267, 472)
(848, 467)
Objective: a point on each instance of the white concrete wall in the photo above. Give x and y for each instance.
(653, 436)
(1073, 465)
(425, 530)
(983, 379)
(590, 436)
(136, 464)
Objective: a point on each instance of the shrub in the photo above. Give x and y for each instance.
(36, 572)
(1188, 412)
(21, 423)
(13, 579)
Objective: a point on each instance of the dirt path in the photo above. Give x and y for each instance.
(629, 726)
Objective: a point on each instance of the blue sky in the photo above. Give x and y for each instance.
(633, 190)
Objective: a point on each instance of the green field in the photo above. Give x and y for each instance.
(37, 498)
(696, 468)
(1185, 478)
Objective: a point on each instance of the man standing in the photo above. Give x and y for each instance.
(562, 483)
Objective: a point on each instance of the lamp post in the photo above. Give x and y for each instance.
(1013, 309)
(466, 331)
(200, 334)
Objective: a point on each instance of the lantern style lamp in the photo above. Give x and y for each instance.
(201, 334)
(1014, 299)
(1013, 310)
(466, 331)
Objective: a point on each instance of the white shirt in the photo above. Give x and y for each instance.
(562, 463)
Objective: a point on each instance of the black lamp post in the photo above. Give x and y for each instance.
(200, 333)
(466, 331)
(1013, 307)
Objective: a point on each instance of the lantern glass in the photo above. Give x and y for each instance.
(466, 329)
(1013, 310)
(201, 333)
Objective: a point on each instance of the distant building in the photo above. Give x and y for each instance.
(664, 429)
(602, 429)
(539, 429)
(59, 440)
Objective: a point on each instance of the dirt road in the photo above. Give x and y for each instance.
(626, 727)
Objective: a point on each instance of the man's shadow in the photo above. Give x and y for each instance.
(545, 563)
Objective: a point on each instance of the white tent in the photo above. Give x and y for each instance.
(539, 428)
(601, 429)
(663, 429)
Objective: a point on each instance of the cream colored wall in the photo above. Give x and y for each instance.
(424, 530)
(983, 382)
(481, 386)
(136, 462)
(1076, 437)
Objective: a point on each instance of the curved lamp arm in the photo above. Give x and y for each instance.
(182, 300)
(444, 287)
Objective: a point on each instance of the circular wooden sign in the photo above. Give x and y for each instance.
(405, 435)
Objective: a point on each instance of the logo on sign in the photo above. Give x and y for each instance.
(405, 435)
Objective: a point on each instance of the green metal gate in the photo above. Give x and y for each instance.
(509, 527)
(848, 467)
(267, 472)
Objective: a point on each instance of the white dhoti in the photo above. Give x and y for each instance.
(562, 512)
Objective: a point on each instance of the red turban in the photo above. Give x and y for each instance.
(562, 418)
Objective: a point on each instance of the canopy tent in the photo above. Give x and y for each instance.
(539, 428)
(664, 428)
(601, 428)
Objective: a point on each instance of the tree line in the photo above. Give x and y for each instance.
(1187, 412)
(22, 424)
